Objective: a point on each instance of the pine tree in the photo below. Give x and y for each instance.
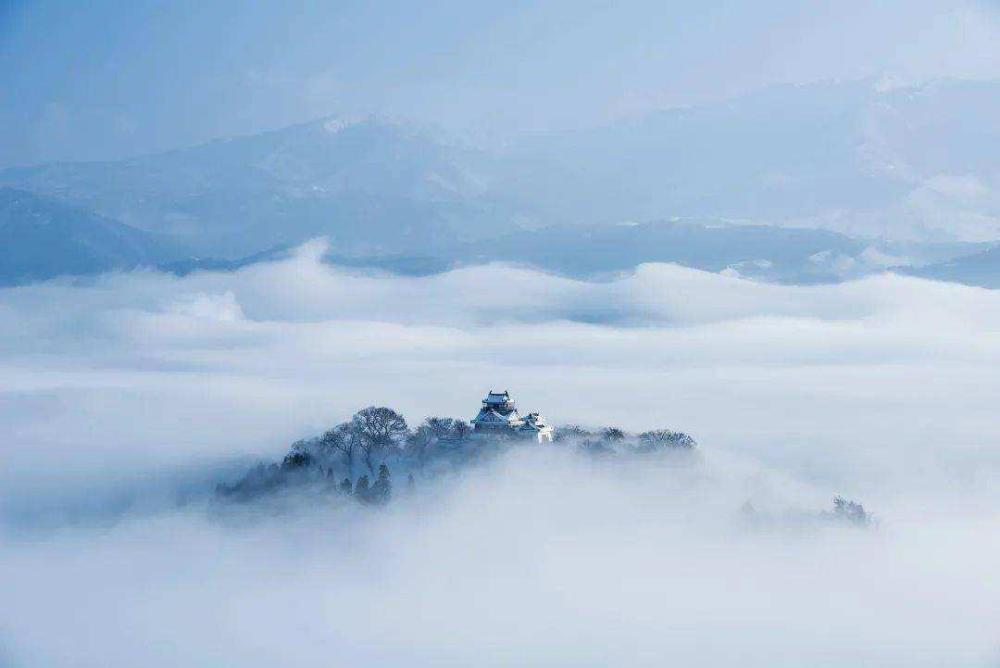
(382, 489)
(361, 490)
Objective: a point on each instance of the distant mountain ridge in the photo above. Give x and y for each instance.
(370, 186)
(762, 252)
(980, 269)
(909, 165)
(915, 163)
(72, 242)
(41, 238)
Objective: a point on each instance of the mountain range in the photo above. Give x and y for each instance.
(981, 269)
(914, 163)
(792, 183)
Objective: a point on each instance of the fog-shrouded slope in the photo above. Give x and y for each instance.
(400, 265)
(41, 238)
(762, 252)
(980, 269)
(368, 185)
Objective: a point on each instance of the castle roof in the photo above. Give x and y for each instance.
(497, 397)
(534, 422)
(489, 416)
(499, 413)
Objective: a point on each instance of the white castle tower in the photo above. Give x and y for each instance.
(499, 416)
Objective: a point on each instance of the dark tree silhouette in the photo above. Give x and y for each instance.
(440, 427)
(380, 429)
(851, 512)
(377, 435)
(434, 430)
(379, 424)
(664, 438)
(344, 439)
(296, 460)
(361, 490)
(302, 445)
(613, 434)
(381, 491)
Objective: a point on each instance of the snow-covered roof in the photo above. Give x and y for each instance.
(490, 416)
(497, 397)
(498, 411)
(535, 419)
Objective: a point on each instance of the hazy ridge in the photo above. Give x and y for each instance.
(878, 167)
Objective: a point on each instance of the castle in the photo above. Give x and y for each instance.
(499, 416)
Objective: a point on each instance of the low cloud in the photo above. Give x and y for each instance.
(882, 389)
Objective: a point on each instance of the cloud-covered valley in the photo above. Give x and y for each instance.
(882, 389)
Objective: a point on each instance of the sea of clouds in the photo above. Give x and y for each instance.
(124, 393)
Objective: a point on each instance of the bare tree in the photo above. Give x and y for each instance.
(439, 427)
(433, 430)
(345, 439)
(329, 443)
(379, 424)
(380, 428)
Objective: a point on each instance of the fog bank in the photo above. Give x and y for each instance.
(881, 389)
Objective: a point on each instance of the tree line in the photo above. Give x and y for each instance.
(350, 456)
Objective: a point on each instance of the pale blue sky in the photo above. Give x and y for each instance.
(105, 79)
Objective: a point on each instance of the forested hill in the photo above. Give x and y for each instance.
(365, 458)
(377, 445)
